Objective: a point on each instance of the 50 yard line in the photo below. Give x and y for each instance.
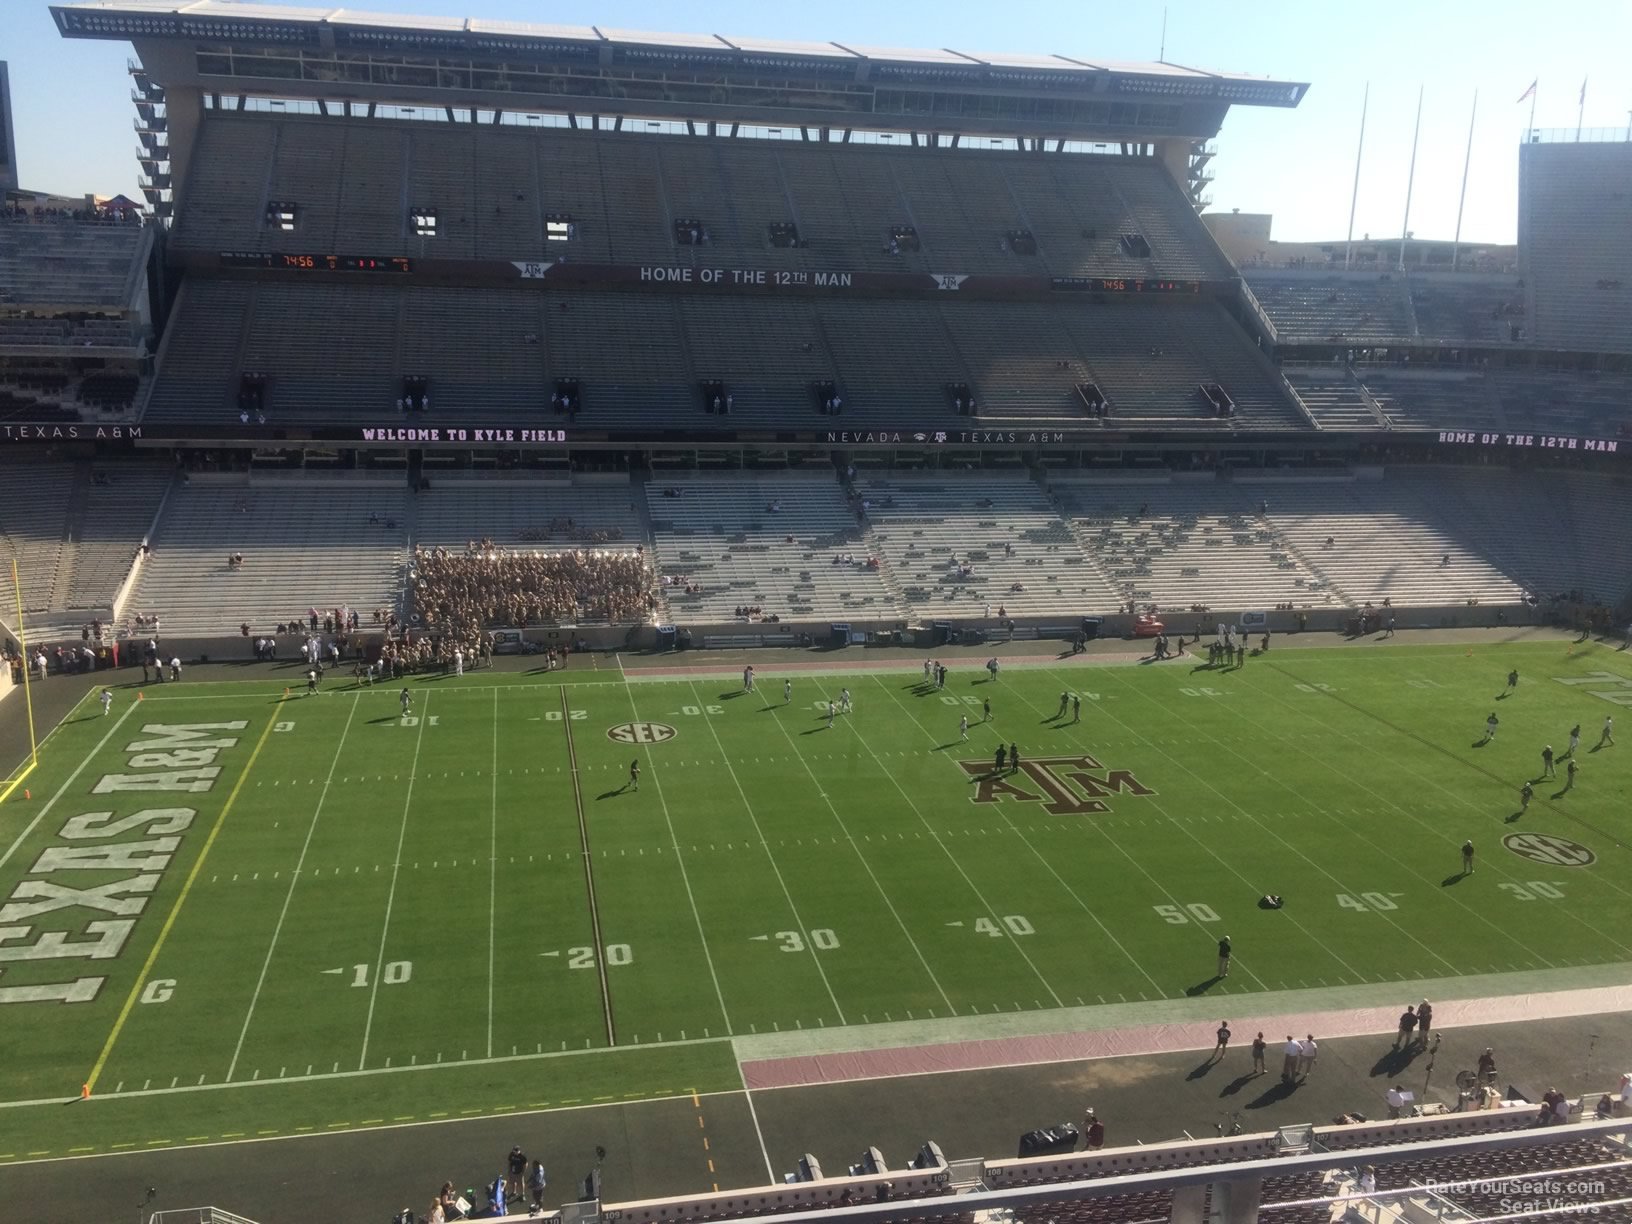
(289, 896)
(391, 895)
(181, 899)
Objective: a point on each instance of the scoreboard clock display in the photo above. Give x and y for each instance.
(316, 263)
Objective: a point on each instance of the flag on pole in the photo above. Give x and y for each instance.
(1529, 93)
(1583, 100)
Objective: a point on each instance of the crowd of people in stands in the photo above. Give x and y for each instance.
(458, 594)
(94, 216)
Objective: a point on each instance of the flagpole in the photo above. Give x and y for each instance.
(1467, 158)
(1529, 133)
(1410, 180)
(1354, 197)
(1580, 110)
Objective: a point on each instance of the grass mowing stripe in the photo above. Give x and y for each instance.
(493, 873)
(991, 910)
(810, 944)
(63, 789)
(170, 918)
(1292, 846)
(589, 871)
(1498, 864)
(396, 871)
(1463, 761)
(862, 858)
(1106, 931)
(685, 876)
(1352, 829)
(294, 878)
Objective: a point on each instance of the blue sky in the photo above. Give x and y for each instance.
(73, 111)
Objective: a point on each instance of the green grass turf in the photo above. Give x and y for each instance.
(379, 893)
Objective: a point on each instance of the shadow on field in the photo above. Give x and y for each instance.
(1278, 1091)
(1238, 1083)
(733, 695)
(1202, 987)
(1453, 879)
(1393, 1062)
(1201, 1070)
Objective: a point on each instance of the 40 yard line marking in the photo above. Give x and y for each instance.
(294, 878)
(181, 899)
(391, 894)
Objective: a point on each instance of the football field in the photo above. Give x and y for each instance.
(234, 913)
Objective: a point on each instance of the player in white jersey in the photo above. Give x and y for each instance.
(787, 691)
(844, 701)
(831, 711)
(107, 701)
(963, 728)
(1607, 736)
(406, 699)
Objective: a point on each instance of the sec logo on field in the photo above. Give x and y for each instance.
(641, 733)
(1548, 850)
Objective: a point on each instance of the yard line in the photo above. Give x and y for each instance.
(935, 836)
(181, 899)
(1458, 796)
(63, 789)
(396, 870)
(865, 864)
(589, 873)
(294, 878)
(685, 876)
(1316, 864)
(1043, 859)
(810, 945)
(493, 873)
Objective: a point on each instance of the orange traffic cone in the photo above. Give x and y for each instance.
(140, 697)
(27, 794)
(84, 1092)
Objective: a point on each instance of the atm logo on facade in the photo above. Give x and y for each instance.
(1064, 785)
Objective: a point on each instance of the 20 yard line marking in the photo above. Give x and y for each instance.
(685, 876)
(181, 899)
(391, 894)
(294, 878)
(589, 873)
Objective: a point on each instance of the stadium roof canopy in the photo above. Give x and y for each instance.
(225, 46)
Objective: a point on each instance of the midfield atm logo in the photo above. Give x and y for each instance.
(1064, 785)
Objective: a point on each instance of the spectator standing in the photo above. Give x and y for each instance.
(1258, 1048)
(1408, 1025)
(1289, 1059)
(1425, 1020)
(1308, 1051)
(1223, 1036)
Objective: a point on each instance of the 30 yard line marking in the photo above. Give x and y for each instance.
(821, 970)
(685, 876)
(289, 896)
(181, 899)
(862, 858)
(391, 894)
(589, 872)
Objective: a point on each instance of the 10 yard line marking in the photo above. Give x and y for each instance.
(391, 894)
(294, 878)
(181, 899)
